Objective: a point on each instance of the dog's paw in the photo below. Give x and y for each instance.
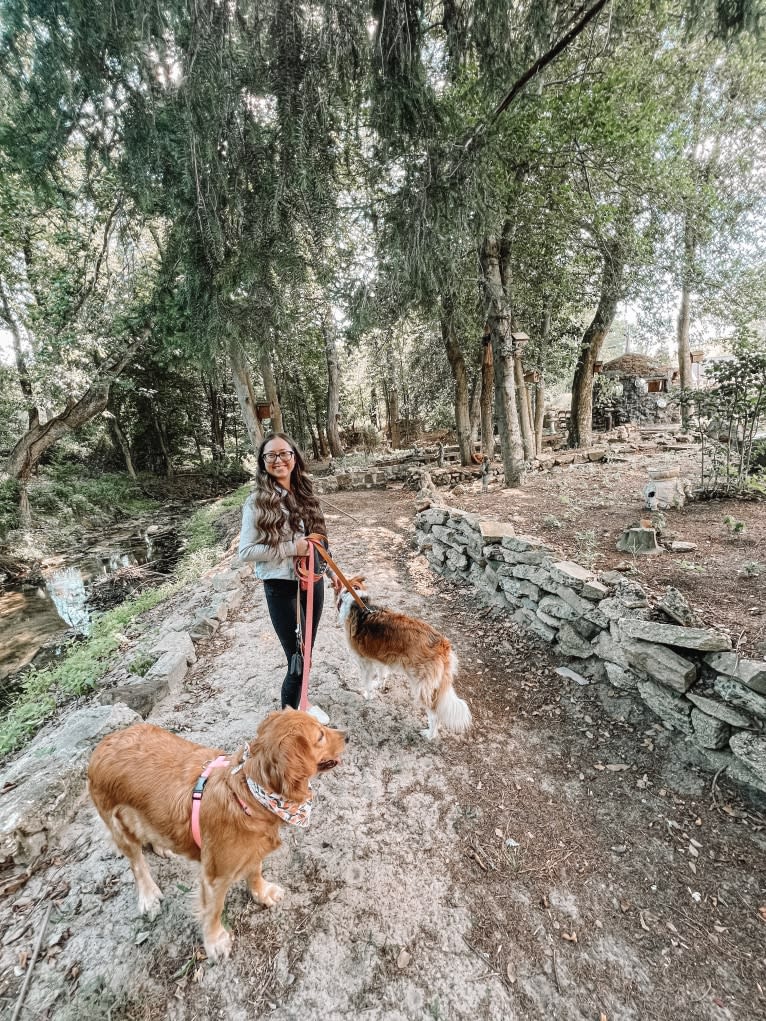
(218, 947)
(164, 852)
(149, 902)
(270, 894)
(428, 734)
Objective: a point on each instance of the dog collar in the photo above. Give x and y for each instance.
(289, 811)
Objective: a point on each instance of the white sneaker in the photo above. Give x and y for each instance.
(319, 715)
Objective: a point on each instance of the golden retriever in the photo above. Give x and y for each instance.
(141, 781)
(381, 640)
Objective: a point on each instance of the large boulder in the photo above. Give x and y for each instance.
(43, 783)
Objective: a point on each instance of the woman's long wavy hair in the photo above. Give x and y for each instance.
(302, 505)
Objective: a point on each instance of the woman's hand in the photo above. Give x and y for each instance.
(302, 547)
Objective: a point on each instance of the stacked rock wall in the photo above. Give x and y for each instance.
(603, 625)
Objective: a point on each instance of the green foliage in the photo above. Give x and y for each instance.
(65, 492)
(734, 526)
(9, 506)
(752, 569)
(729, 413)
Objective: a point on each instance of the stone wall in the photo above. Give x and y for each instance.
(446, 476)
(607, 631)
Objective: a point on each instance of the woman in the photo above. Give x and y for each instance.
(276, 519)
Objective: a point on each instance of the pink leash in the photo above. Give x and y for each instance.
(308, 580)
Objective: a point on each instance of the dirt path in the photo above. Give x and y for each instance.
(515, 874)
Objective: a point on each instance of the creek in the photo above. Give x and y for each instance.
(36, 621)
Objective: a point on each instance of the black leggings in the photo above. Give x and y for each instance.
(281, 596)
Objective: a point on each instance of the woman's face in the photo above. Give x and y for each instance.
(279, 461)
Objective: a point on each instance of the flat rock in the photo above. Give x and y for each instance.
(567, 572)
(661, 664)
(676, 606)
(720, 710)
(751, 749)
(494, 531)
(572, 644)
(741, 696)
(751, 672)
(680, 546)
(709, 732)
(673, 710)
(623, 679)
(700, 639)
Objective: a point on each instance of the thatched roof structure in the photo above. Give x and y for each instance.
(635, 365)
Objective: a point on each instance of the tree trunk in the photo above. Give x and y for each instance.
(684, 320)
(33, 444)
(590, 348)
(333, 382)
(391, 393)
(33, 415)
(545, 330)
(119, 438)
(243, 386)
(272, 395)
(457, 364)
(487, 395)
(324, 448)
(525, 417)
(499, 320)
(162, 438)
(474, 405)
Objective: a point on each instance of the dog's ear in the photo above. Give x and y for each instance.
(298, 765)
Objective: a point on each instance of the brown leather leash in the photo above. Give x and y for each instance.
(316, 539)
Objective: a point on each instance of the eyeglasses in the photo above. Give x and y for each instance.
(279, 455)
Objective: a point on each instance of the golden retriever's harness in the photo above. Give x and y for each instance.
(199, 787)
(289, 811)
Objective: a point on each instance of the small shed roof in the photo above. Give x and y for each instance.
(640, 366)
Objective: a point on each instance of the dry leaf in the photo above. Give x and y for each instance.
(509, 973)
(762, 911)
(616, 767)
(403, 959)
(644, 926)
(571, 937)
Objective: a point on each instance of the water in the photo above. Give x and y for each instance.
(42, 618)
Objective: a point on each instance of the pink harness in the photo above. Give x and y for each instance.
(199, 787)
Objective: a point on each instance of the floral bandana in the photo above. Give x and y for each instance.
(289, 811)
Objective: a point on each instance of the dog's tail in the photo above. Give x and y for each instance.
(452, 712)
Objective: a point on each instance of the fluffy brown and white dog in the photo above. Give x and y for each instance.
(382, 641)
(141, 781)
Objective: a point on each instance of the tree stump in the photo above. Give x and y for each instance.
(638, 541)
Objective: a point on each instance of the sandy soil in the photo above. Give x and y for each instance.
(560, 863)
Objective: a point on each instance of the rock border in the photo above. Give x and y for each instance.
(603, 626)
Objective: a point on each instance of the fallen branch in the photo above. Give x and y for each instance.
(35, 954)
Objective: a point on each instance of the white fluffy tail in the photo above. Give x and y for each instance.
(452, 712)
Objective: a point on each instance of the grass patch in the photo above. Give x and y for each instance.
(84, 664)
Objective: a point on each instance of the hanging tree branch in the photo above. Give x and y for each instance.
(534, 69)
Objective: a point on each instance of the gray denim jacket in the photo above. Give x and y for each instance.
(270, 561)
